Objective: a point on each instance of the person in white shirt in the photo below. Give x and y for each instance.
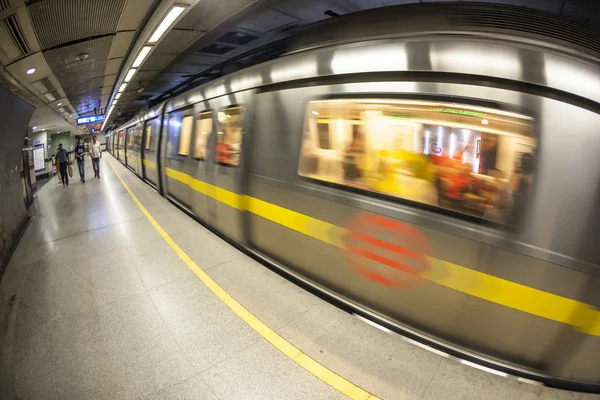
(96, 152)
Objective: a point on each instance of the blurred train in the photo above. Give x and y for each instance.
(433, 167)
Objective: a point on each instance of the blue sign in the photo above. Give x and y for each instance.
(90, 119)
(93, 130)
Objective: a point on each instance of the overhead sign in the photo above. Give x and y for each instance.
(90, 119)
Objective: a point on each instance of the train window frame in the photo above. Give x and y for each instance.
(500, 108)
(148, 124)
(218, 127)
(130, 134)
(185, 152)
(182, 112)
(197, 133)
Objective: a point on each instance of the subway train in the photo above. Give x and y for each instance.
(433, 168)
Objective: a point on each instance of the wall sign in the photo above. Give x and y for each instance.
(38, 158)
(90, 119)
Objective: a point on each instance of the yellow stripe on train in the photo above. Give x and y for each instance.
(582, 316)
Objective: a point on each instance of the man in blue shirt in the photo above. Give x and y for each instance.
(62, 157)
(79, 152)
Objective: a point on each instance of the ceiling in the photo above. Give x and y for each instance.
(212, 37)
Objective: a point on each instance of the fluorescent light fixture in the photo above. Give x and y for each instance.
(166, 23)
(61, 110)
(122, 88)
(141, 57)
(30, 71)
(118, 95)
(114, 102)
(50, 97)
(129, 75)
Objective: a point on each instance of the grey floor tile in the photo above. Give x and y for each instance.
(273, 299)
(205, 328)
(114, 276)
(262, 372)
(133, 330)
(160, 267)
(138, 231)
(191, 389)
(374, 360)
(174, 221)
(57, 289)
(457, 381)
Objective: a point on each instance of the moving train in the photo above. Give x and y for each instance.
(432, 167)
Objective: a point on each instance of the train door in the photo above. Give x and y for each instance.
(177, 161)
(149, 151)
(227, 173)
(129, 148)
(137, 149)
(201, 158)
(120, 149)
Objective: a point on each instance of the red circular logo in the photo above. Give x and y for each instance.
(386, 251)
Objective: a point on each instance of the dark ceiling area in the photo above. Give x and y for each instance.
(80, 48)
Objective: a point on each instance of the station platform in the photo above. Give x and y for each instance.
(114, 293)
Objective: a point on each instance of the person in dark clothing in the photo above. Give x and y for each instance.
(79, 153)
(62, 157)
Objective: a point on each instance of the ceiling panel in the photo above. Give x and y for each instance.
(209, 13)
(121, 44)
(134, 13)
(143, 76)
(82, 87)
(157, 61)
(62, 21)
(177, 41)
(109, 80)
(263, 19)
(112, 66)
(63, 59)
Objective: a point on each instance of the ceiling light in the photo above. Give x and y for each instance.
(129, 75)
(50, 97)
(82, 56)
(315, 113)
(30, 71)
(485, 121)
(166, 23)
(59, 104)
(43, 129)
(141, 57)
(34, 127)
(122, 88)
(118, 95)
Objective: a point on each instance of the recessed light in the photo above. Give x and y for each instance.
(43, 129)
(485, 121)
(59, 104)
(30, 71)
(34, 127)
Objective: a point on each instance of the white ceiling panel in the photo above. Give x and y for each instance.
(112, 66)
(19, 68)
(121, 44)
(134, 12)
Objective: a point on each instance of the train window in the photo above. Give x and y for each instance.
(229, 135)
(204, 125)
(148, 136)
(130, 138)
(468, 159)
(185, 135)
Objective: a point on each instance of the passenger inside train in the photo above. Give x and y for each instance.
(465, 159)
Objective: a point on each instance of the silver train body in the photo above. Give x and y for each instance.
(411, 57)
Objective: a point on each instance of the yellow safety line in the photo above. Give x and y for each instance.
(582, 316)
(314, 367)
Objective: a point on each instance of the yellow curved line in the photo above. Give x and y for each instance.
(312, 366)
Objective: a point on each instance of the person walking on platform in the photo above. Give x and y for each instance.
(79, 153)
(96, 153)
(62, 158)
